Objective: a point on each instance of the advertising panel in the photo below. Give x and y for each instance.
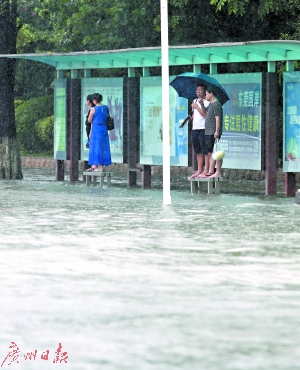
(112, 91)
(60, 119)
(151, 138)
(242, 119)
(291, 122)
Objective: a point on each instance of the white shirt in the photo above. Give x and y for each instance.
(198, 119)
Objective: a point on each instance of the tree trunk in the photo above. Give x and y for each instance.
(10, 160)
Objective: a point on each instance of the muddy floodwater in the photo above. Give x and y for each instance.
(110, 279)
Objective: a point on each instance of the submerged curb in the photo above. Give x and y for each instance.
(229, 174)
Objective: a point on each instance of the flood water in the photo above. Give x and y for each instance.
(210, 282)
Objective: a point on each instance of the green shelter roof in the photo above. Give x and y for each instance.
(229, 52)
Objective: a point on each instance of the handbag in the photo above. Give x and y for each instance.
(109, 121)
(218, 151)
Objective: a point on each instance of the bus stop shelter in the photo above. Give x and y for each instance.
(195, 56)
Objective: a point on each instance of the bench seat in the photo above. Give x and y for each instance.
(213, 184)
(93, 176)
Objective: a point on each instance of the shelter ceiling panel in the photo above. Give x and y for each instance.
(96, 62)
(237, 56)
(201, 58)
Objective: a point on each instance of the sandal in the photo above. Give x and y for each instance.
(90, 169)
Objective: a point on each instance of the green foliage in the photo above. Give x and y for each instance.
(264, 7)
(100, 25)
(33, 79)
(179, 3)
(34, 120)
(45, 132)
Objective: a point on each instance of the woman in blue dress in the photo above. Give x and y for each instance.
(99, 154)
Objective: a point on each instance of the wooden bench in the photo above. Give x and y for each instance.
(213, 184)
(95, 174)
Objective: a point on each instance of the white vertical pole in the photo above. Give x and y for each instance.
(165, 100)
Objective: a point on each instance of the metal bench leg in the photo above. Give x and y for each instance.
(94, 180)
(108, 180)
(217, 187)
(199, 186)
(101, 181)
(194, 187)
(210, 188)
(88, 180)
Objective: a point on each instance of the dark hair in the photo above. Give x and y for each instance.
(90, 98)
(202, 85)
(211, 89)
(97, 97)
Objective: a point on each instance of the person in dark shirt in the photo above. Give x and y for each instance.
(213, 131)
(89, 103)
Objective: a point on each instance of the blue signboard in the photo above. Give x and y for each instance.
(291, 122)
(151, 139)
(241, 138)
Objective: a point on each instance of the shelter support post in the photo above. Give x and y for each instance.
(59, 74)
(146, 71)
(290, 66)
(271, 66)
(74, 73)
(74, 123)
(289, 184)
(290, 177)
(196, 68)
(60, 170)
(146, 176)
(131, 72)
(271, 118)
(87, 73)
(213, 68)
(132, 137)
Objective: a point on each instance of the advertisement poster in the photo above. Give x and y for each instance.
(112, 91)
(241, 138)
(151, 138)
(291, 122)
(60, 119)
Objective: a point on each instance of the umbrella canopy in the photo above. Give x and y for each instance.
(186, 84)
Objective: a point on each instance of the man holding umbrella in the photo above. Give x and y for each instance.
(197, 135)
(185, 84)
(213, 132)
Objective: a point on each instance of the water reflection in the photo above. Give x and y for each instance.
(211, 282)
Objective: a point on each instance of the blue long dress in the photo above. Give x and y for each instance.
(99, 153)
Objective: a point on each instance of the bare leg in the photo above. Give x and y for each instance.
(218, 169)
(200, 161)
(207, 167)
(212, 164)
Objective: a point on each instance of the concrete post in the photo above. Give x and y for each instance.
(271, 118)
(297, 198)
(289, 184)
(132, 127)
(74, 123)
